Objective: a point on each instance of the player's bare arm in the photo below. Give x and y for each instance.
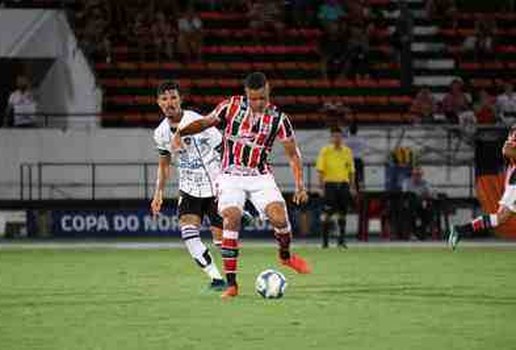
(296, 164)
(197, 126)
(162, 177)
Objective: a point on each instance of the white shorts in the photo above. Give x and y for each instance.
(508, 199)
(261, 190)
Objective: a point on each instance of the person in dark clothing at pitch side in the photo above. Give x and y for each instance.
(337, 180)
(418, 200)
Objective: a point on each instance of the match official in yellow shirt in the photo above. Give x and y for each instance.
(336, 170)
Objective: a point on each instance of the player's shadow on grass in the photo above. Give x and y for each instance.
(408, 292)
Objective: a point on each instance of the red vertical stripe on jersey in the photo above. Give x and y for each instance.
(225, 156)
(238, 153)
(233, 109)
(255, 157)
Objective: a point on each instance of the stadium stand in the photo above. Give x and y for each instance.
(231, 49)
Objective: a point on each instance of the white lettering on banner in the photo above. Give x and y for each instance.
(149, 224)
(103, 223)
(65, 223)
(132, 223)
(161, 223)
(84, 223)
(91, 222)
(78, 223)
(118, 223)
(164, 223)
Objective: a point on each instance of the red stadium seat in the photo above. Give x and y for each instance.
(366, 83)
(320, 83)
(377, 100)
(344, 83)
(284, 100)
(400, 100)
(297, 83)
(470, 66)
(389, 83)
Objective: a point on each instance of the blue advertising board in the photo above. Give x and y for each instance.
(129, 223)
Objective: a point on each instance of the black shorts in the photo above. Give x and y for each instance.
(336, 197)
(201, 207)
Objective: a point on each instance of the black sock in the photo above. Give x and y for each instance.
(231, 278)
(325, 232)
(283, 240)
(342, 231)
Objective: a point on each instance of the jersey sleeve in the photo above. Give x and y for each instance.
(285, 130)
(162, 142)
(220, 113)
(189, 118)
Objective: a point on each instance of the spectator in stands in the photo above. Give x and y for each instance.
(357, 53)
(21, 105)
(190, 35)
(418, 203)
(301, 12)
(140, 34)
(264, 15)
(336, 179)
(506, 104)
(485, 111)
(424, 106)
(455, 101)
(164, 37)
(357, 144)
(402, 41)
(330, 11)
(358, 12)
(442, 10)
(399, 167)
(481, 42)
(332, 48)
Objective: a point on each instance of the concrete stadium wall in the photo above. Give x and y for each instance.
(136, 145)
(69, 87)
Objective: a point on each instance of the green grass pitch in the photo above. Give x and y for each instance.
(362, 298)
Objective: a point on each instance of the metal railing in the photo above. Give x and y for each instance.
(38, 181)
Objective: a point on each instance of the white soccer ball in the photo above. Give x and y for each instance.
(271, 284)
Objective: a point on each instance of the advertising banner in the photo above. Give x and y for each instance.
(129, 223)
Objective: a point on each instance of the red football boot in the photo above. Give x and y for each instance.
(230, 292)
(297, 264)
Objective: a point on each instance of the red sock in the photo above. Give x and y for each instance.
(229, 252)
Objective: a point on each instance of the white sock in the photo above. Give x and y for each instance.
(198, 251)
(212, 271)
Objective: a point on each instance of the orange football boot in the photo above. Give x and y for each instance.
(297, 264)
(230, 292)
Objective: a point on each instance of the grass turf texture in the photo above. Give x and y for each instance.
(363, 298)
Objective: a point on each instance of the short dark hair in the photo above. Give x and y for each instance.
(255, 81)
(335, 129)
(166, 86)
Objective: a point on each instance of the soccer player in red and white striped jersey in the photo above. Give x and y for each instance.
(250, 126)
(507, 204)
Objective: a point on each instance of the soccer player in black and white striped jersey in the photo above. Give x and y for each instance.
(198, 168)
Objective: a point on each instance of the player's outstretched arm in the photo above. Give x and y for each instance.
(296, 164)
(197, 126)
(163, 175)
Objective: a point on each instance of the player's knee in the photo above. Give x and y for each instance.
(231, 219)
(189, 220)
(277, 214)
